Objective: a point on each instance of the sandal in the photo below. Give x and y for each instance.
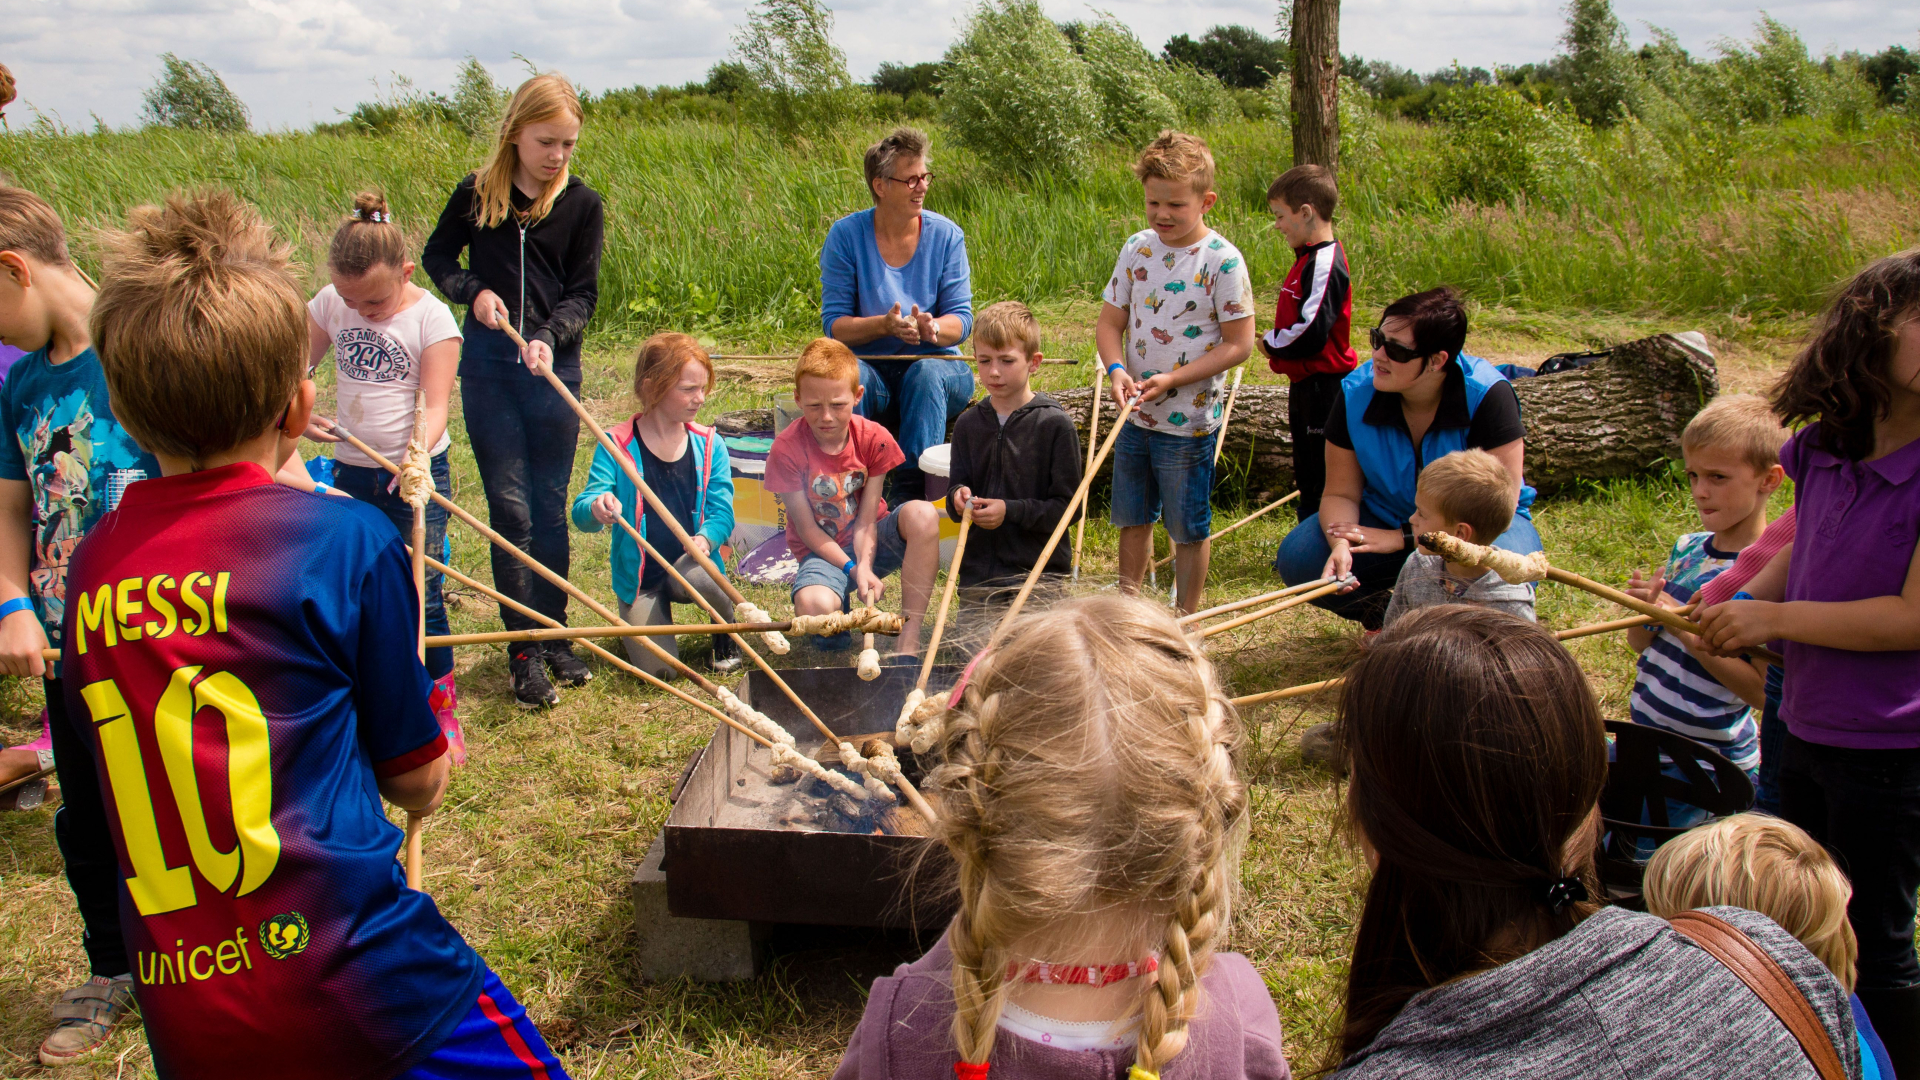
(87, 1015)
(31, 791)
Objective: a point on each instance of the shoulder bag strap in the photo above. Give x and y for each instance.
(1763, 975)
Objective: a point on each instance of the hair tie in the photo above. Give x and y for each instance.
(967, 1070)
(966, 676)
(378, 217)
(1558, 894)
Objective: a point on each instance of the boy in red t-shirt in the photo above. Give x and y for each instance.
(827, 472)
(1311, 320)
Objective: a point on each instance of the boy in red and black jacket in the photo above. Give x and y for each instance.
(1311, 321)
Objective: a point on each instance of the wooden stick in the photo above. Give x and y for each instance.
(535, 565)
(619, 662)
(1226, 415)
(1562, 635)
(1456, 550)
(626, 464)
(680, 579)
(32, 776)
(413, 850)
(946, 598)
(1060, 530)
(1253, 601)
(1093, 439)
(1295, 601)
(420, 528)
(1257, 514)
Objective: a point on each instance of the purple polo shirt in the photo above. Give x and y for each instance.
(1859, 522)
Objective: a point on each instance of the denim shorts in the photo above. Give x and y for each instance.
(1155, 470)
(889, 551)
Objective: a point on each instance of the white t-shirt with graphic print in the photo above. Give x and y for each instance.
(378, 364)
(1176, 299)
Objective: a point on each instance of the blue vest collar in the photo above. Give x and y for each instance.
(1454, 411)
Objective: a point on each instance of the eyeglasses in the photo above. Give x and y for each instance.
(923, 180)
(1396, 352)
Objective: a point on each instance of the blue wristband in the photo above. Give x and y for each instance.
(1115, 366)
(849, 568)
(17, 604)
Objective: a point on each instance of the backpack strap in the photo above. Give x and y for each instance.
(1763, 975)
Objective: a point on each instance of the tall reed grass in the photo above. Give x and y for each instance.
(717, 227)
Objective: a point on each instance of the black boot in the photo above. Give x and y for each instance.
(567, 669)
(531, 689)
(726, 654)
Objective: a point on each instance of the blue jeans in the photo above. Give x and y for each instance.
(1303, 554)
(1156, 474)
(370, 487)
(523, 438)
(924, 395)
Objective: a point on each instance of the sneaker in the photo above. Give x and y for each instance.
(726, 655)
(86, 1015)
(531, 690)
(567, 669)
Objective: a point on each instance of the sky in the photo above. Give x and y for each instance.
(297, 62)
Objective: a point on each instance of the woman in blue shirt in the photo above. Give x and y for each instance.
(1417, 399)
(894, 281)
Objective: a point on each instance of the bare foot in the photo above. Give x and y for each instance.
(16, 763)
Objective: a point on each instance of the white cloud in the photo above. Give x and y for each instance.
(299, 61)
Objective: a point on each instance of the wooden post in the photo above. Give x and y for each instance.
(1316, 83)
(1226, 415)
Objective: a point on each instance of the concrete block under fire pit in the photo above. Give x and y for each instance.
(704, 950)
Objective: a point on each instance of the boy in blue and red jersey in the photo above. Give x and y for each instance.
(1311, 320)
(240, 658)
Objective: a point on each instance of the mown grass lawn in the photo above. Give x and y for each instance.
(544, 827)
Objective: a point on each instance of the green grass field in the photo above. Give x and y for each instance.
(716, 230)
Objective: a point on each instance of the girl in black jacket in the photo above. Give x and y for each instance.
(532, 235)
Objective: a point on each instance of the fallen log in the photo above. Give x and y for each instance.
(1616, 417)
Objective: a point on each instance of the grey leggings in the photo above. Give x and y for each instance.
(655, 608)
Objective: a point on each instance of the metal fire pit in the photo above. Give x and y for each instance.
(722, 863)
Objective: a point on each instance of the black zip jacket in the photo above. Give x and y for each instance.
(548, 273)
(1033, 462)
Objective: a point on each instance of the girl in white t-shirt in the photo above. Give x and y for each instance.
(389, 338)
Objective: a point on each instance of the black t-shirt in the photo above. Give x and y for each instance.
(677, 485)
(1496, 423)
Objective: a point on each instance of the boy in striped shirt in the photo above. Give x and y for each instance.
(1732, 454)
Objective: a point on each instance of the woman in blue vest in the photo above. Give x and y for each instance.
(1417, 399)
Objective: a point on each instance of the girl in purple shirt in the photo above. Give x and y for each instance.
(1088, 793)
(1850, 766)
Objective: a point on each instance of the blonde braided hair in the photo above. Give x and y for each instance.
(1089, 771)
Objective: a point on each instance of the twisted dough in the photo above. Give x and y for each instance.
(904, 727)
(748, 611)
(864, 620)
(869, 664)
(876, 785)
(1513, 568)
(923, 726)
(416, 476)
(754, 719)
(785, 754)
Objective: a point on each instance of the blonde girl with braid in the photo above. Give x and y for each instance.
(1089, 796)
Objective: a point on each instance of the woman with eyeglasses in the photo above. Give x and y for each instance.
(894, 282)
(1418, 398)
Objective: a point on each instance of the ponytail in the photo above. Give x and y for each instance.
(367, 238)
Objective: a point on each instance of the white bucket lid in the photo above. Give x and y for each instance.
(937, 460)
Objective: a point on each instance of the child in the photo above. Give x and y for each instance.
(64, 461)
(1088, 794)
(1178, 314)
(1732, 454)
(262, 639)
(827, 472)
(1850, 767)
(686, 465)
(1763, 864)
(1312, 319)
(1470, 494)
(389, 338)
(1016, 456)
(532, 232)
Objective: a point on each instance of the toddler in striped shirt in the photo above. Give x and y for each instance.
(1732, 454)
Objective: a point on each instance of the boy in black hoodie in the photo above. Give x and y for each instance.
(1016, 456)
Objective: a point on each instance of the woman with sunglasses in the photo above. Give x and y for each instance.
(1417, 399)
(894, 281)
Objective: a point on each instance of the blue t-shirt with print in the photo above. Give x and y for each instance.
(65, 443)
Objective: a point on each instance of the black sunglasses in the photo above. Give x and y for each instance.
(1396, 352)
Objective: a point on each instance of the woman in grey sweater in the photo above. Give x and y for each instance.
(1478, 755)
